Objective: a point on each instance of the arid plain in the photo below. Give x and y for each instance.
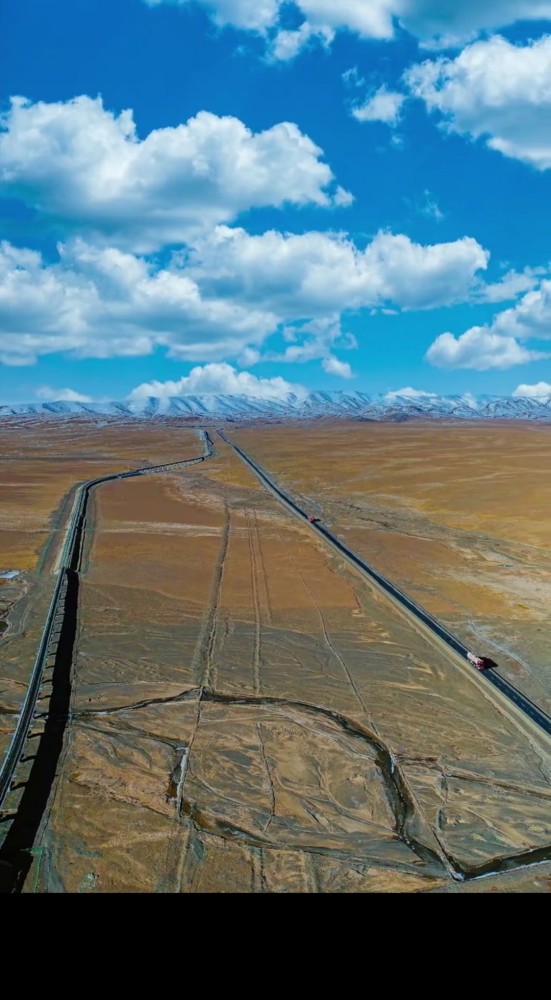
(248, 714)
(40, 464)
(457, 515)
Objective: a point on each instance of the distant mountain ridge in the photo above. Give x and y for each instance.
(314, 406)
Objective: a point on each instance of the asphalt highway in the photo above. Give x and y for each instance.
(490, 675)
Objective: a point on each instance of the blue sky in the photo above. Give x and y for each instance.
(228, 195)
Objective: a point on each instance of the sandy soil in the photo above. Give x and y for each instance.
(457, 515)
(250, 716)
(40, 464)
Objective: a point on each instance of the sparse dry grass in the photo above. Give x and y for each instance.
(322, 735)
(457, 515)
(40, 463)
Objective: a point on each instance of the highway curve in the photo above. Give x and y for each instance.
(516, 701)
(54, 650)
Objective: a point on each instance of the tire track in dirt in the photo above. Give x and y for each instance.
(178, 839)
(202, 661)
(399, 795)
(256, 606)
(326, 638)
(403, 804)
(411, 798)
(234, 833)
(203, 664)
(210, 672)
(263, 579)
(269, 775)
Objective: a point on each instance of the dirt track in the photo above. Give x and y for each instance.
(455, 515)
(249, 716)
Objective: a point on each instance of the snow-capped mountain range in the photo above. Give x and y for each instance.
(314, 406)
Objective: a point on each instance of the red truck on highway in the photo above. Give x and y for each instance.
(480, 662)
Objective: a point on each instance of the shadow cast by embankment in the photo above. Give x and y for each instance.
(15, 854)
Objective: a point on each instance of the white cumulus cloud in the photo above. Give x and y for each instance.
(251, 15)
(497, 345)
(439, 23)
(382, 106)
(220, 379)
(222, 298)
(479, 349)
(101, 302)
(493, 90)
(530, 317)
(511, 285)
(317, 273)
(541, 390)
(333, 366)
(86, 166)
(434, 22)
(288, 43)
(66, 395)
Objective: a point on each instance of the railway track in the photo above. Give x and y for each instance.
(15, 856)
(68, 563)
(490, 674)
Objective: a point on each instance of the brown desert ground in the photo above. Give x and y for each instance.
(250, 715)
(40, 465)
(455, 515)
